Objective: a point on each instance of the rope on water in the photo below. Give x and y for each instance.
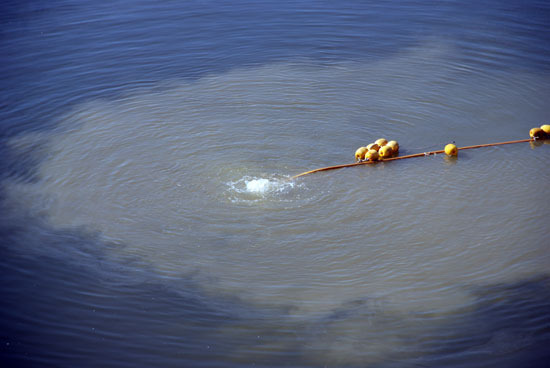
(335, 167)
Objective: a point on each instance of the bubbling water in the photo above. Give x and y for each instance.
(257, 185)
(252, 189)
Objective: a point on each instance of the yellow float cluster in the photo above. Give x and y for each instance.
(379, 150)
(540, 133)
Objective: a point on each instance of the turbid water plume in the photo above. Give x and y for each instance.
(190, 180)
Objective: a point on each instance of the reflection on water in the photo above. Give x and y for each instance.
(163, 220)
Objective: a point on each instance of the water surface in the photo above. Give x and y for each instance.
(149, 218)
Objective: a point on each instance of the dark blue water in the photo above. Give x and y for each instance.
(66, 303)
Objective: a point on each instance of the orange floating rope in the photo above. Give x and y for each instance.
(407, 156)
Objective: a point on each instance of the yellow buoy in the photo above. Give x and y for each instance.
(537, 133)
(385, 152)
(451, 150)
(546, 128)
(381, 142)
(360, 153)
(372, 155)
(394, 146)
(373, 146)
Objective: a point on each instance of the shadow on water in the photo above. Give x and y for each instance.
(85, 309)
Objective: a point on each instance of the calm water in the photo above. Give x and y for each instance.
(147, 217)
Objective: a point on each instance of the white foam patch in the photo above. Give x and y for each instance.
(258, 185)
(249, 189)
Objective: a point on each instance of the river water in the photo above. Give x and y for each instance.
(148, 215)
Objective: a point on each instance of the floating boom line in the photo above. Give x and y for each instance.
(421, 154)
